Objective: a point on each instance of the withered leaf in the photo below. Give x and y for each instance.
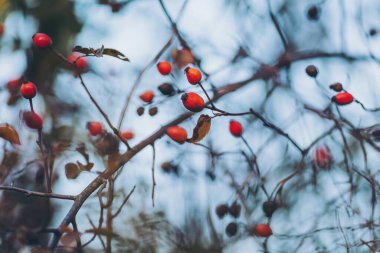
(201, 129)
(113, 161)
(114, 53)
(69, 238)
(8, 133)
(100, 52)
(72, 170)
(82, 150)
(85, 167)
(83, 50)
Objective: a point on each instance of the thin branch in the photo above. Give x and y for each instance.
(153, 177)
(38, 194)
(124, 202)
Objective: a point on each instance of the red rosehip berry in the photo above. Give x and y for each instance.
(41, 40)
(193, 102)
(95, 128)
(177, 133)
(12, 85)
(128, 135)
(193, 75)
(32, 120)
(322, 157)
(147, 96)
(81, 63)
(263, 230)
(2, 29)
(343, 98)
(164, 67)
(236, 129)
(28, 90)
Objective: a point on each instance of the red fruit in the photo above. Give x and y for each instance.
(263, 230)
(41, 40)
(13, 85)
(343, 98)
(1, 29)
(80, 62)
(32, 120)
(128, 135)
(236, 129)
(95, 128)
(28, 90)
(322, 157)
(193, 102)
(147, 96)
(177, 134)
(164, 68)
(193, 75)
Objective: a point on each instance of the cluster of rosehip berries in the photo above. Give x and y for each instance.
(342, 98)
(34, 121)
(42, 41)
(96, 128)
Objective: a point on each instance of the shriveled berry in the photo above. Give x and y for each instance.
(177, 133)
(235, 210)
(193, 75)
(140, 110)
(313, 13)
(95, 128)
(153, 111)
(107, 144)
(311, 71)
(372, 32)
(164, 67)
(322, 157)
(42, 40)
(128, 135)
(336, 87)
(28, 90)
(231, 229)
(13, 85)
(193, 102)
(263, 230)
(147, 96)
(221, 210)
(166, 89)
(32, 120)
(269, 207)
(236, 129)
(81, 63)
(343, 98)
(169, 167)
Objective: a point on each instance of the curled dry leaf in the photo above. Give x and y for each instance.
(100, 52)
(8, 133)
(69, 239)
(85, 167)
(72, 170)
(201, 129)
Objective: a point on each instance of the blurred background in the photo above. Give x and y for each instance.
(327, 206)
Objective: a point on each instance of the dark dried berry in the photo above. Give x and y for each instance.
(140, 111)
(169, 167)
(336, 87)
(311, 71)
(153, 111)
(231, 229)
(269, 207)
(210, 174)
(221, 210)
(235, 209)
(313, 13)
(372, 32)
(166, 89)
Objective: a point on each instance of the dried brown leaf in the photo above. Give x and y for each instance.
(8, 133)
(201, 129)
